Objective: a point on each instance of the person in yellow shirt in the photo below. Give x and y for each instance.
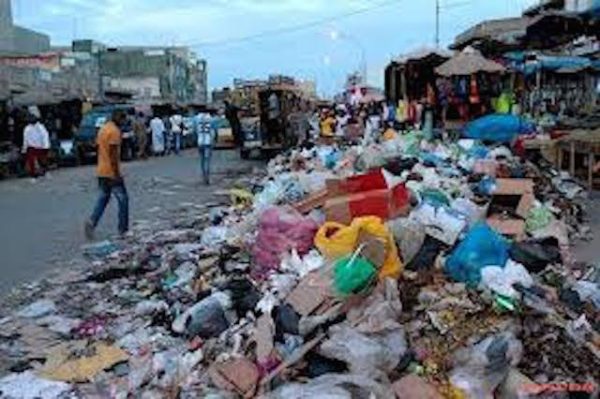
(389, 133)
(327, 124)
(110, 179)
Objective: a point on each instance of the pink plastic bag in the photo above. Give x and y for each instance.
(280, 230)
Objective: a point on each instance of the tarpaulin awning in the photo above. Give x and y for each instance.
(468, 62)
(558, 64)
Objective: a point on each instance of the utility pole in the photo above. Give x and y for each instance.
(437, 24)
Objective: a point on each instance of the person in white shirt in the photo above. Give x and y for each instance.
(177, 131)
(342, 118)
(206, 129)
(36, 144)
(157, 127)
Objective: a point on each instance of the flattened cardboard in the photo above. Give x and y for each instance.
(310, 293)
(239, 375)
(263, 336)
(375, 248)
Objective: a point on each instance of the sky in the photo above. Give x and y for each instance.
(322, 40)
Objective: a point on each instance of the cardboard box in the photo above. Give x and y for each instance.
(385, 204)
(513, 187)
(313, 201)
(512, 228)
(374, 180)
(517, 187)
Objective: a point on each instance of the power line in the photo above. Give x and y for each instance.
(294, 28)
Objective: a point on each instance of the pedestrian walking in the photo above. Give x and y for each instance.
(232, 115)
(157, 127)
(206, 129)
(139, 129)
(177, 131)
(110, 179)
(36, 144)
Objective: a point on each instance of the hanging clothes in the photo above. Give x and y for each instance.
(474, 97)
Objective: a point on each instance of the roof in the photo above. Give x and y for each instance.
(468, 62)
(506, 30)
(422, 53)
(544, 5)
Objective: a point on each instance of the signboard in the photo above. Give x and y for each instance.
(49, 62)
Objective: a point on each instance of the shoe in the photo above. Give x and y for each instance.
(89, 230)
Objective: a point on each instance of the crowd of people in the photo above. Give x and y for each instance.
(367, 122)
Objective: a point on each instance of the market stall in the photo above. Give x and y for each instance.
(471, 81)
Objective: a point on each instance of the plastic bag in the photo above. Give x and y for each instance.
(535, 255)
(214, 235)
(409, 235)
(284, 187)
(481, 247)
(588, 291)
(538, 218)
(442, 223)
(205, 319)
(334, 386)
(352, 275)
(281, 230)
(371, 355)
(473, 212)
(479, 370)
(335, 240)
(498, 127)
(501, 280)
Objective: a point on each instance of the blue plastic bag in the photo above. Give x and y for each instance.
(481, 247)
(498, 127)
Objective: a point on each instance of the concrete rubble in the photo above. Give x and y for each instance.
(412, 268)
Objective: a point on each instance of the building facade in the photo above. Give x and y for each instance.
(155, 74)
(16, 40)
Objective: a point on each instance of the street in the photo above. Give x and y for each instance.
(42, 222)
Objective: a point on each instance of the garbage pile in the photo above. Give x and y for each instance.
(412, 269)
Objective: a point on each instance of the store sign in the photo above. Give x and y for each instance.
(49, 62)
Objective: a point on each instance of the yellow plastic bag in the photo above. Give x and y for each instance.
(336, 240)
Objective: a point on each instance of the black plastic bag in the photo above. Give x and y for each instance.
(535, 255)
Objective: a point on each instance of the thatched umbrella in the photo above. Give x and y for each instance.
(468, 62)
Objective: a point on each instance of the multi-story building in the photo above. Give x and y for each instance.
(16, 40)
(151, 74)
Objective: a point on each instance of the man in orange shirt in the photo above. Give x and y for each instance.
(110, 180)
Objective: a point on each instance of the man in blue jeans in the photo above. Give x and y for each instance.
(206, 129)
(110, 179)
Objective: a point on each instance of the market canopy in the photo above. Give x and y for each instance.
(468, 62)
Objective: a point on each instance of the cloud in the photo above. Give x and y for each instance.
(383, 32)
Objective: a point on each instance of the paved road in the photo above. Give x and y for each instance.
(41, 224)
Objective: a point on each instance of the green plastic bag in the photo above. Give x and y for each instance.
(538, 218)
(435, 197)
(353, 275)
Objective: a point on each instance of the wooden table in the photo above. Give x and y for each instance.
(588, 148)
